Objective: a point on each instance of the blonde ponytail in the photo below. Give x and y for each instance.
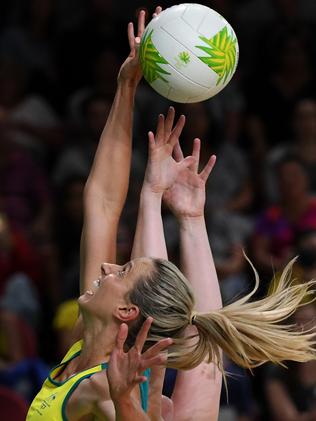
(249, 332)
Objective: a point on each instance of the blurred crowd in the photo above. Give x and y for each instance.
(58, 67)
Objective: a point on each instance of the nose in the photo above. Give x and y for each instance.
(108, 268)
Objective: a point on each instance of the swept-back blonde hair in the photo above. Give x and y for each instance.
(249, 332)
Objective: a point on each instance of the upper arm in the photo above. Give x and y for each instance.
(98, 239)
(201, 387)
(98, 244)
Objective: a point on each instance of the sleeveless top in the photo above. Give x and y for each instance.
(50, 403)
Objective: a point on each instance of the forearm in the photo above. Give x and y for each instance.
(109, 175)
(106, 188)
(149, 238)
(197, 392)
(198, 265)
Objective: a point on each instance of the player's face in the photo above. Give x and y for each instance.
(112, 288)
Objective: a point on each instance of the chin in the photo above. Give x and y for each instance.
(84, 298)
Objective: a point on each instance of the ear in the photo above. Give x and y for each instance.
(127, 313)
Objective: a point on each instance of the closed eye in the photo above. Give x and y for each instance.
(125, 270)
(121, 273)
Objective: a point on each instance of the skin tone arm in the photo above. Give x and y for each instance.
(161, 172)
(106, 188)
(197, 392)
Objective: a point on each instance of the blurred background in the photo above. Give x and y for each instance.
(58, 66)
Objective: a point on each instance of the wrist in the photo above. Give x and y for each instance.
(123, 401)
(186, 221)
(148, 192)
(127, 85)
(128, 408)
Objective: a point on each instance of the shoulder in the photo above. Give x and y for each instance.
(92, 396)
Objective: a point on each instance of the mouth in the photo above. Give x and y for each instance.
(96, 286)
(97, 283)
(89, 292)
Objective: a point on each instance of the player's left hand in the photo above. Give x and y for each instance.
(186, 196)
(130, 71)
(162, 169)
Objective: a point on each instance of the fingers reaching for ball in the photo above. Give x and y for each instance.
(157, 11)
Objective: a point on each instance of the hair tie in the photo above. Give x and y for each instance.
(192, 317)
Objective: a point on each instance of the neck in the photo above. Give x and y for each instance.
(98, 343)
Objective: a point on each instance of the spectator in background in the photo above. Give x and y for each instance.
(278, 225)
(80, 46)
(271, 102)
(28, 118)
(20, 273)
(20, 276)
(303, 145)
(26, 199)
(68, 223)
(30, 42)
(25, 194)
(290, 392)
(76, 159)
(105, 68)
(306, 251)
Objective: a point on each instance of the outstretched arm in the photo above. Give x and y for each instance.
(161, 172)
(106, 188)
(197, 392)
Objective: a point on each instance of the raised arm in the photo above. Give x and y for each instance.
(106, 188)
(197, 392)
(161, 172)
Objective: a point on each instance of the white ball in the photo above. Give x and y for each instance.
(188, 53)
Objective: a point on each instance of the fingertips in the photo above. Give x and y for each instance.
(130, 35)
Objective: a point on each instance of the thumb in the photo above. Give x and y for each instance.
(187, 161)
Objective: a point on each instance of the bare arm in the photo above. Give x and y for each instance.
(149, 240)
(161, 172)
(107, 185)
(197, 392)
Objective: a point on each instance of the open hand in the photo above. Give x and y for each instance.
(162, 169)
(126, 369)
(186, 196)
(130, 70)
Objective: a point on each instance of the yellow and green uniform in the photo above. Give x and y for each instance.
(50, 403)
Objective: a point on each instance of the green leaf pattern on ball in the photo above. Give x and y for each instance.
(184, 57)
(151, 59)
(222, 54)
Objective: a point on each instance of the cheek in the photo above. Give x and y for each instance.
(110, 291)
